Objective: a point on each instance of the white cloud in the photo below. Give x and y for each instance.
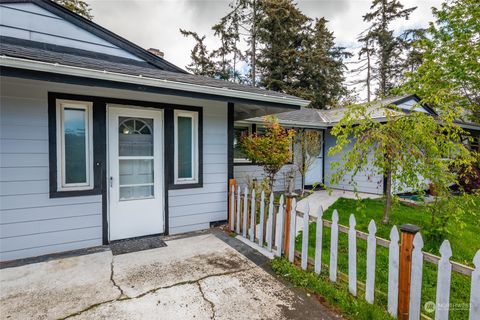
(156, 23)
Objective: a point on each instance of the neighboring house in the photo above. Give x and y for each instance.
(102, 140)
(323, 120)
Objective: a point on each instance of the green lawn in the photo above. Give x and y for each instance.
(465, 242)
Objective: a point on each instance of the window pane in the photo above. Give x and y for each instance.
(135, 137)
(136, 171)
(237, 150)
(75, 145)
(136, 192)
(184, 147)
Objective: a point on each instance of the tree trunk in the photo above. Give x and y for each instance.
(368, 75)
(388, 198)
(254, 42)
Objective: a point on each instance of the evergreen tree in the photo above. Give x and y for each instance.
(78, 6)
(387, 51)
(365, 67)
(284, 51)
(243, 19)
(412, 53)
(324, 67)
(281, 31)
(228, 54)
(202, 63)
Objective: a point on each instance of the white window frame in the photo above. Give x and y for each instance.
(61, 179)
(195, 158)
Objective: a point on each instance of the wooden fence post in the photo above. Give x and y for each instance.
(232, 184)
(406, 249)
(288, 209)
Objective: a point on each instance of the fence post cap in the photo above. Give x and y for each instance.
(291, 195)
(409, 228)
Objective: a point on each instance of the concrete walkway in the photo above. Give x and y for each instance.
(325, 199)
(199, 277)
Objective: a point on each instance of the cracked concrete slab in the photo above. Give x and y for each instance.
(179, 302)
(251, 294)
(182, 260)
(198, 277)
(57, 288)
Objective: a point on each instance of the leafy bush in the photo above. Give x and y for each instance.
(469, 178)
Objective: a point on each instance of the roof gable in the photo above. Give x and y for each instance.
(410, 103)
(48, 22)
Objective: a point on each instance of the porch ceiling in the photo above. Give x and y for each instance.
(244, 111)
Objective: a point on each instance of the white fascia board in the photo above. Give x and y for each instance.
(19, 63)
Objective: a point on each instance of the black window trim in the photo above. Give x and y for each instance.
(99, 142)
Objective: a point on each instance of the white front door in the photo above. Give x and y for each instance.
(315, 174)
(135, 144)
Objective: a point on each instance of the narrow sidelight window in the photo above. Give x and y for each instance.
(186, 147)
(74, 145)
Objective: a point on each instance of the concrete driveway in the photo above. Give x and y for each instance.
(199, 277)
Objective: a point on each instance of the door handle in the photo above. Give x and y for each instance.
(111, 182)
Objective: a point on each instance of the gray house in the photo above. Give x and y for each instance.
(102, 140)
(368, 180)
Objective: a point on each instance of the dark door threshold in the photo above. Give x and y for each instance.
(136, 244)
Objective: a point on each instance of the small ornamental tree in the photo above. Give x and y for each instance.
(309, 144)
(408, 150)
(270, 150)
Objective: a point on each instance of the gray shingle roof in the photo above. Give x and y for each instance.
(80, 58)
(329, 117)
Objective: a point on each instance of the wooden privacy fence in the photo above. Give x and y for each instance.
(273, 227)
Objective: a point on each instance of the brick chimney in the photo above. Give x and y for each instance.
(156, 52)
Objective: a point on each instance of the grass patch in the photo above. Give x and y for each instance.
(465, 242)
(335, 294)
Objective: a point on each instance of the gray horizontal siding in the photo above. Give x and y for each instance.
(31, 22)
(366, 180)
(32, 224)
(43, 243)
(8, 230)
(46, 213)
(189, 228)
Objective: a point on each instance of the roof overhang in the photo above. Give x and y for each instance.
(289, 124)
(247, 98)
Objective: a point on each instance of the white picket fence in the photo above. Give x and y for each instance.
(269, 233)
